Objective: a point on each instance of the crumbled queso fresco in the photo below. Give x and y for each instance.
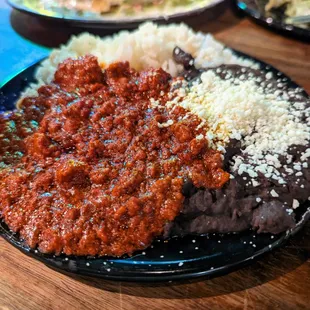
(267, 118)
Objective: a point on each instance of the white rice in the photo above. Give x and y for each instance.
(150, 45)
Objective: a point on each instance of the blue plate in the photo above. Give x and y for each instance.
(178, 258)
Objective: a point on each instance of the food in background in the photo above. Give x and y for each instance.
(292, 8)
(115, 8)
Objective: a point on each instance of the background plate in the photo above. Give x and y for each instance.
(255, 9)
(207, 12)
(175, 259)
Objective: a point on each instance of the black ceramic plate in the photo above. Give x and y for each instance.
(207, 11)
(175, 259)
(273, 21)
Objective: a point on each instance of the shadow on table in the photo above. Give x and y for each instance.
(270, 267)
(51, 33)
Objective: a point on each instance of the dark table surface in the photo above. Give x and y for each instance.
(280, 280)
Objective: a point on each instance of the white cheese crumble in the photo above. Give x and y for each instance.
(273, 193)
(295, 204)
(166, 124)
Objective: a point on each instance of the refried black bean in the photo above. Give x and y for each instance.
(239, 205)
(183, 58)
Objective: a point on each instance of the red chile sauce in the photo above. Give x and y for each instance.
(86, 170)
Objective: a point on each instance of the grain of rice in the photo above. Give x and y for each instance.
(150, 45)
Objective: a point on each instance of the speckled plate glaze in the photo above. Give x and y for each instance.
(276, 22)
(176, 259)
(205, 12)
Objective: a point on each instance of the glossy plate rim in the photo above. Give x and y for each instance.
(272, 24)
(186, 271)
(118, 22)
